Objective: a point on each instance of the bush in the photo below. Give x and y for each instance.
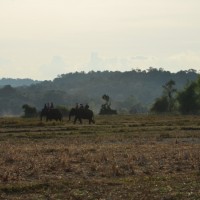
(29, 111)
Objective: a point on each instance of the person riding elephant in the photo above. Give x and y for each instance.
(51, 105)
(51, 113)
(81, 113)
(86, 107)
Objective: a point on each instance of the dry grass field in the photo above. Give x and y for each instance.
(120, 157)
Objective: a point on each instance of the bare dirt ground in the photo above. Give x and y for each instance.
(120, 157)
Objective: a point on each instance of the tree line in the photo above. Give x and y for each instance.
(132, 91)
(184, 101)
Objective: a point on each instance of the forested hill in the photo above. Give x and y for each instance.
(126, 89)
(144, 86)
(17, 82)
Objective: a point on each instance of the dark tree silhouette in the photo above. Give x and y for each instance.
(107, 99)
(169, 91)
(160, 105)
(166, 102)
(189, 98)
(29, 111)
(105, 108)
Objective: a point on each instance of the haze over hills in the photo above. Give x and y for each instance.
(128, 89)
(17, 82)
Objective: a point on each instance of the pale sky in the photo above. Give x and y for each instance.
(41, 39)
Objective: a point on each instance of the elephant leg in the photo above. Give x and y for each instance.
(75, 118)
(80, 120)
(69, 117)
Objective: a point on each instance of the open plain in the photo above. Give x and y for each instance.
(120, 157)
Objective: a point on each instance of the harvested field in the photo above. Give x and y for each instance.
(120, 157)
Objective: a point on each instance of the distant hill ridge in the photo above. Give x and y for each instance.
(17, 82)
(126, 90)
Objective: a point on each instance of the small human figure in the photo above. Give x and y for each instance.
(81, 106)
(51, 106)
(45, 106)
(76, 107)
(86, 107)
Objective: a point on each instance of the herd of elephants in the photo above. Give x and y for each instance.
(78, 113)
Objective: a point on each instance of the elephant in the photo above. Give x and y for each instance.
(81, 113)
(50, 114)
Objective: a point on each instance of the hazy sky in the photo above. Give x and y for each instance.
(40, 39)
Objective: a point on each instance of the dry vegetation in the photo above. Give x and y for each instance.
(120, 157)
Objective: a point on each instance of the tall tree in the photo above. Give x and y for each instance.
(169, 91)
(166, 102)
(189, 98)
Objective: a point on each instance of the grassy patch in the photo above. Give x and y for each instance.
(120, 157)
